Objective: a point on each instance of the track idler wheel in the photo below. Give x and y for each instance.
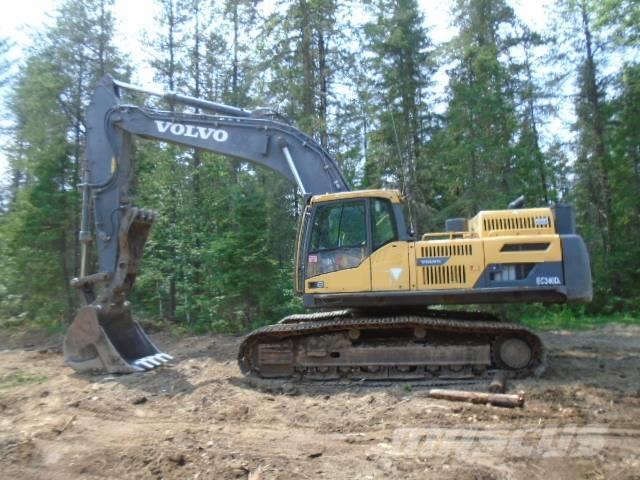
(111, 342)
(513, 353)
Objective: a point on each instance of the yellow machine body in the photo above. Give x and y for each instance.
(502, 255)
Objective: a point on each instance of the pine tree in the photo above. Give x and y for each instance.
(48, 102)
(624, 138)
(604, 181)
(6, 194)
(206, 223)
(160, 189)
(303, 44)
(592, 190)
(535, 174)
(476, 149)
(623, 16)
(5, 64)
(401, 69)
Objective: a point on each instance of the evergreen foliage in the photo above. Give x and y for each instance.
(482, 136)
(4, 61)
(48, 101)
(400, 69)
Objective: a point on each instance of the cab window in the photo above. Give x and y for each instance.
(338, 237)
(382, 223)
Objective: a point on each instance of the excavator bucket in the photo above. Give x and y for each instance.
(104, 337)
(113, 343)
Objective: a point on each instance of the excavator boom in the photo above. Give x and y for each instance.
(104, 335)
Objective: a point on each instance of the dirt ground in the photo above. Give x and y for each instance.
(201, 419)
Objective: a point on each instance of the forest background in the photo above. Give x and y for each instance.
(498, 111)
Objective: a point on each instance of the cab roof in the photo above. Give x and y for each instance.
(392, 195)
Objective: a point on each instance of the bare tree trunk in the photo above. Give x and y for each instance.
(534, 128)
(324, 91)
(196, 157)
(63, 249)
(196, 93)
(101, 42)
(76, 170)
(308, 107)
(235, 164)
(172, 23)
(234, 78)
(604, 200)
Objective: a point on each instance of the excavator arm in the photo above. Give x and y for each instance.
(104, 335)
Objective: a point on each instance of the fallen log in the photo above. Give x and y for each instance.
(496, 399)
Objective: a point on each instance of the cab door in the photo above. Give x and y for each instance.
(337, 248)
(390, 256)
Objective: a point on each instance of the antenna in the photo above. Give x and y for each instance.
(403, 168)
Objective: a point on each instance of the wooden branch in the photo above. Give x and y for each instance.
(496, 399)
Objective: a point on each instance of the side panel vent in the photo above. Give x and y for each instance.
(529, 222)
(448, 250)
(444, 275)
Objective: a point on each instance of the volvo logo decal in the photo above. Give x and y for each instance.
(192, 131)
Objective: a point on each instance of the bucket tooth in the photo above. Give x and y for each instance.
(145, 363)
(160, 358)
(153, 360)
(109, 341)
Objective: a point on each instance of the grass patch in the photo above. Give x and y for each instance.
(22, 323)
(11, 323)
(18, 379)
(571, 320)
(55, 329)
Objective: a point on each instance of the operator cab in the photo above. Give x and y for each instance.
(340, 230)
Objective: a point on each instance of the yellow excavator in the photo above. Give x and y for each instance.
(377, 291)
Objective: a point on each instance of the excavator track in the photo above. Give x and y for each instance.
(433, 346)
